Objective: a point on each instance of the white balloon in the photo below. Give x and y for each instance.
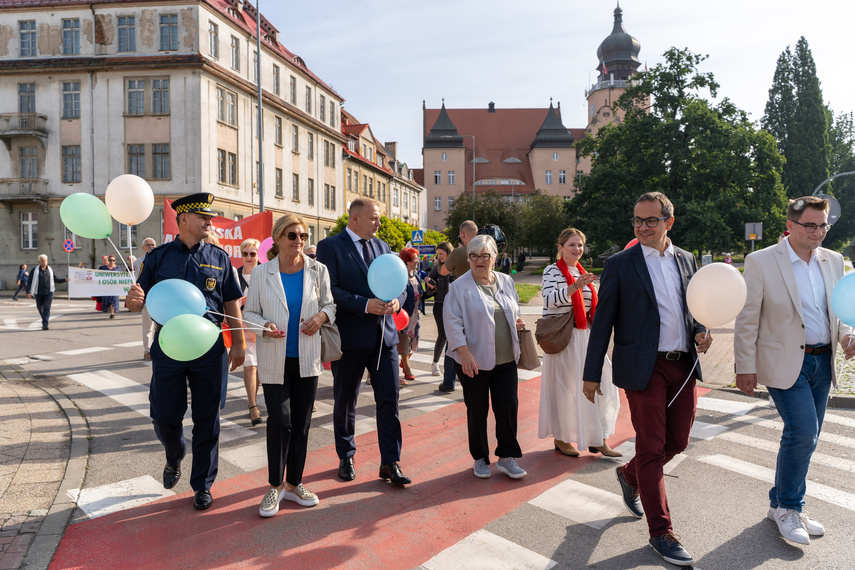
(716, 294)
(129, 199)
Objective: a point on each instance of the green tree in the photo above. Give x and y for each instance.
(717, 169)
(842, 160)
(490, 208)
(393, 231)
(543, 216)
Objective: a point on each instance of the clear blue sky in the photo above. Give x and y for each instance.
(385, 58)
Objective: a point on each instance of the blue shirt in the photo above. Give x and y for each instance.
(293, 285)
(204, 265)
(23, 277)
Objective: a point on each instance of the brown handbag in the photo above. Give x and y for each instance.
(528, 351)
(553, 334)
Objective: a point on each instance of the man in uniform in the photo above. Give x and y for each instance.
(208, 268)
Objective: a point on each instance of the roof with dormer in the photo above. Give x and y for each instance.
(552, 133)
(443, 133)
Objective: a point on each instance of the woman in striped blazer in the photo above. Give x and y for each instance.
(289, 297)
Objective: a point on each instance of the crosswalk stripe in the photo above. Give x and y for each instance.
(815, 490)
(119, 496)
(87, 350)
(364, 424)
(129, 344)
(581, 503)
(627, 448)
(734, 407)
(703, 430)
(483, 549)
(779, 427)
(772, 447)
(10, 323)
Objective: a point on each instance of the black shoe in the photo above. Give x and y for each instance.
(669, 548)
(202, 500)
(171, 475)
(346, 471)
(630, 495)
(44, 328)
(443, 388)
(393, 473)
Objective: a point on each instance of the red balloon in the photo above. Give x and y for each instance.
(632, 243)
(402, 319)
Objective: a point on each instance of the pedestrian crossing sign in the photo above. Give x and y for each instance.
(418, 236)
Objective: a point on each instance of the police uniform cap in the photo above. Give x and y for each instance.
(199, 203)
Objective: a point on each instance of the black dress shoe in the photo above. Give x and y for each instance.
(393, 473)
(630, 495)
(202, 500)
(346, 471)
(171, 475)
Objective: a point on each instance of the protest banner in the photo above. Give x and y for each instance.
(84, 283)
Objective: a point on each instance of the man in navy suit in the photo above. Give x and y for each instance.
(642, 297)
(368, 333)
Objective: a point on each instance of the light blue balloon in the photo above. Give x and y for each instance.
(843, 299)
(387, 276)
(174, 297)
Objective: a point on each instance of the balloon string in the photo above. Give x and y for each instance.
(231, 317)
(706, 334)
(122, 258)
(256, 328)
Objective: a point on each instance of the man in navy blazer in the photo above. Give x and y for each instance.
(368, 334)
(642, 297)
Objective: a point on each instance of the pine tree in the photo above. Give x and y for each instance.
(781, 107)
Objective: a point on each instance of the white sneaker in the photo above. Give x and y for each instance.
(434, 369)
(510, 468)
(270, 502)
(790, 524)
(812, 527)
(481, 469)
(301, 496)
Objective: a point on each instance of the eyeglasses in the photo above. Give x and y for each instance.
(650, 222)
(811, 228)
(294, 235)
(482, 257)
(249, 253)
(111, 259)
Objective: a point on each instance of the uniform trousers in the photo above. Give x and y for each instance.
(661, 432)
(289, 406)
(168, 399)
(500, 385)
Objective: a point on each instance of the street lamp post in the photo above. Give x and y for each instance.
(473, 175)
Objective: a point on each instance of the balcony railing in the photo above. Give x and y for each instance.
(23, 125)
(23, 188)
(610, 84)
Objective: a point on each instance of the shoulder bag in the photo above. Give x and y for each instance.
(554, 333)
(330, 337)
(528, 351)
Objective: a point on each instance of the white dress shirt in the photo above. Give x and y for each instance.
(812, 294)
(666, 285)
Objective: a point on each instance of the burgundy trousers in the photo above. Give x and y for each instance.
(661, 432)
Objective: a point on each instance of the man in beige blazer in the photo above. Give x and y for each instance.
(786, 338)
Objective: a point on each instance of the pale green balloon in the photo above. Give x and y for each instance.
(86, 216)
(187, 337)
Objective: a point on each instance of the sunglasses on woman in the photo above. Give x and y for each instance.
(294, 235)
(249, 253)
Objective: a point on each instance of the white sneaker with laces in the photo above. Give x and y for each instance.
(434, 369)
(270, 502)
(510, 468)
(481, 469)
(813, 528)
(301, 496)
(791, 525)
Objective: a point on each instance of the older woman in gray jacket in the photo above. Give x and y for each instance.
(481, 317)
(290, 298)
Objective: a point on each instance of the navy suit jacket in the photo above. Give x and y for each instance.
(349, 284)
(627, 305)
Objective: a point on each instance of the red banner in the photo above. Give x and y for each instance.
(231, 233)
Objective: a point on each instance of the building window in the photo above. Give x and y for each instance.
(332, 197)
(162, 164)
(28, 38)
(356, 183)
(293, 90)
(29, 230)
(332, 114)
(71, 163)
(232, 169)
(29, 162)
(124, 233)
(451, 177)
(255, 66)
(26, 97)
(160, 96)
(311, 231)
(327, 196)
(437, 203)
(136, 160)
(310, 143)
(326, 153)
(279, 182)
(322, 109)
(395, 193)
(136, 97)
(450, 202)
(308, 100)
(381, 191)
(277, 130)
(349, 180)
(578, 177)
(311, 192)
(295, 138)
(364, 185)
(235, 48)
(169, 32)
(71, 36)
(213, 40)
(231, 108)
(276, 87)
(221, 104)
(415, 203)
(295, 187)
(437, 177)
(371, 188)
(406, 201)
(127, 34)
(332, 155)
(70, 99)
(221, 166)
(444, 156)
(554, 156)
(562, 176)
(549, 177)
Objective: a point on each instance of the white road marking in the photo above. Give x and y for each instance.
(129, 344)
(364, 424)
(429, 403)
(737, 408)
(778, 426)
(832, 461)
(99, 501)
(483, 549)
(628, 450)
(815, 490)
(249, 457)
(86, 350)
(702, 430)
(581, 503)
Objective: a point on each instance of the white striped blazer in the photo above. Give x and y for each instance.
(265, 303)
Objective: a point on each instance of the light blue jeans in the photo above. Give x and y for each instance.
(802, 407)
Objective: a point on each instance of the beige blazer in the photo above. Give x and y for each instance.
(265, 302)
(769, 339)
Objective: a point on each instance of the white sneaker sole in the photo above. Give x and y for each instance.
(274, 510)
(815, 532)
(295, 498)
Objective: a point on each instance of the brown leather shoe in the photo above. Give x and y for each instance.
(567, 449)
(605, 450)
